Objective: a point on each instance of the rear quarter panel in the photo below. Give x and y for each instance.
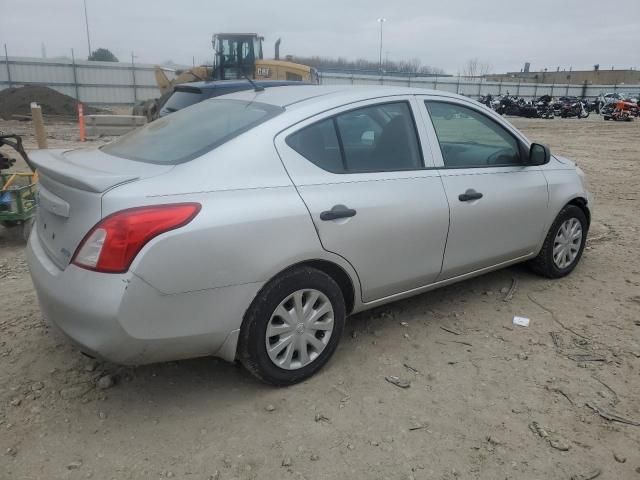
(253, 224)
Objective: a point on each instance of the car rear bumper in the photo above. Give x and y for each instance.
(123, 319)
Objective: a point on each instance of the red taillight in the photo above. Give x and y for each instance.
(114, 242)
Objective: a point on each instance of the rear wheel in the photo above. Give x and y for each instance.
(564, 244)
(293, 327)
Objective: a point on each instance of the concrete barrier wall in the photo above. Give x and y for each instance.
(97, 125)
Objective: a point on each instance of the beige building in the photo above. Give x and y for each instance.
(576, 77)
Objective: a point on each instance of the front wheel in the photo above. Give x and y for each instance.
(563, 245)
(293, 327)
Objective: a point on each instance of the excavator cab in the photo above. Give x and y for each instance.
(236, 55)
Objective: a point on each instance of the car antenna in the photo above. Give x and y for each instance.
(256, 87)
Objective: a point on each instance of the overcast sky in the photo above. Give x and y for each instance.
(443, 33)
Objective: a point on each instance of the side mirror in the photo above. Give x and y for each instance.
(539, 154)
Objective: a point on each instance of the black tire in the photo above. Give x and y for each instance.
(543, 264)
(252, 350)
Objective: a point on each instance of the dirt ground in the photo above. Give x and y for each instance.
(487, 400)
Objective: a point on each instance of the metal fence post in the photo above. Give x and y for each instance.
(480, 88)
(458, 86)
(552, 85)
(567, 94)
(435, 83)
(500, 87)
(133, 75)
(75, 75)
(518, 88)
(6, 59)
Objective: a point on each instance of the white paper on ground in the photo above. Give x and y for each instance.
(522, 321)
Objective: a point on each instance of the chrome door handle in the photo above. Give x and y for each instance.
(338, 211)
(469, 195)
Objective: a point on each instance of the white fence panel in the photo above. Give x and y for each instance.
(474, 88)
(124, 83)
(90, 82)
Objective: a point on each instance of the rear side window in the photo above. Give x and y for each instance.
(370, 139)
(319, 143)
(190, 133)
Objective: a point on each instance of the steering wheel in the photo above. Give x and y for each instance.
(504, 156)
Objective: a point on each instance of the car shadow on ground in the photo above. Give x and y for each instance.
(11, 237)
(216, 382)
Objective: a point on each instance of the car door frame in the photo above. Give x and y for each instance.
(306, 173)
(523, 143)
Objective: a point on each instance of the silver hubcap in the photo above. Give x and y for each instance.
(299, 329)
(567, 243)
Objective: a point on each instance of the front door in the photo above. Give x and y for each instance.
(498, 204)
(361, 172)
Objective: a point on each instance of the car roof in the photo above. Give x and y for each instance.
(304, 95)
(215, 84)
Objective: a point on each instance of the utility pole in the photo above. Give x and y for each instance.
(381, 20)
(6, 59)
(86, 22)
(133, 76)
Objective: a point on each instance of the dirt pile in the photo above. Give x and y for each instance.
(17, 101)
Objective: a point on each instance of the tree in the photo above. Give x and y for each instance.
(413, 66)
(103, 55)
(476, 68)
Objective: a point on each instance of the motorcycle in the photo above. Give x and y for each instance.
(544, 107)
(513, 106)
(571, 109)
(489, 101)
(621, 111)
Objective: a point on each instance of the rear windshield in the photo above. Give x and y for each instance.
(189, 133)
(181, 99)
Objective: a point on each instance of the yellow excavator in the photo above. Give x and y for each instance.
(237, 56)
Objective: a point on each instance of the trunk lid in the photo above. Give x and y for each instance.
(70, 190)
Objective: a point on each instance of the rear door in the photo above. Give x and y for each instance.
(498, 204)
(365, 173)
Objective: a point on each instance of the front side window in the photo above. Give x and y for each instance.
(370, 139)
(469, 139)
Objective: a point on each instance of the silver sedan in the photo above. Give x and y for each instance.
(251, 225)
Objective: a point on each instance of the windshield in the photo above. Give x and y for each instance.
(191, 132)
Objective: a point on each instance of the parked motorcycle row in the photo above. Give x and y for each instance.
(612, 106)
